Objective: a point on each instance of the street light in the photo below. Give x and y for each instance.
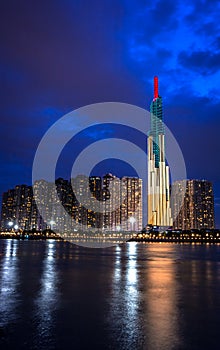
(10, 224)
(132, 220)
(51, 224)
(15, 227)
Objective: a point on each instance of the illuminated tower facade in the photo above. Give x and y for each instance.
(159, 211)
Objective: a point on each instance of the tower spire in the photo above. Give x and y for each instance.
(156, 94)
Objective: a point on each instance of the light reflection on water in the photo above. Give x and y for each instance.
(8, 284)
(133, 296)
(145, 311)
(124, 316)
(131, 291)
(47, 299)
(117, 267)
(162, 321)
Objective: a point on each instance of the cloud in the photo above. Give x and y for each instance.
(203, 62)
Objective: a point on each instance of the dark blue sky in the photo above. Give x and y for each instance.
(60, 55)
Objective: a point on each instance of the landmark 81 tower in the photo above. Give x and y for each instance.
(159, 211)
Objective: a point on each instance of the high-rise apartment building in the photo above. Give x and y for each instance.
(122, 203)
(159, 211)
(196, 209)
(131, 204)
(94, 216)
(17, 207)
(111, 202)
(108, 203)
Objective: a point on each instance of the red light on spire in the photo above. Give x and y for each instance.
(156, 94)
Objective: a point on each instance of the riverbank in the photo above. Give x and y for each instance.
(179, 236)
(176, 240)
(29, 236)
(169, 236)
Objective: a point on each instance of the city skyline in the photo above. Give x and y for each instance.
(47, 72)
(93, 203)
(116, 198)
(120, 205)
(109, 184)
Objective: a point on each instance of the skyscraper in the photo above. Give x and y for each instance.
(17, 207)
(131, 204)
(159, 212)
(111, 199)
(196, 211)
(122, 200)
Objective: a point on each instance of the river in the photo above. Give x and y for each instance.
(55, 295)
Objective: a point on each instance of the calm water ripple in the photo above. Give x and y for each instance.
(55, 295)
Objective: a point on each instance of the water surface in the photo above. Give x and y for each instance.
(55, 295)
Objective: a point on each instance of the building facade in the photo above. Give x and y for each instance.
(17, 206)
(159, 210)
(196, 209)
(131, 204)
(121, 203)
(94, 203)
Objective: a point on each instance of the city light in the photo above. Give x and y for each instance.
(132, 220)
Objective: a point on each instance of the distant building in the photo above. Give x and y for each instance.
(111, 202)
(94, 216)
(53, 198)
(107, 203)
(17, 207)
(86, 208)
(194, 209)
(121, 201)
(131, 207)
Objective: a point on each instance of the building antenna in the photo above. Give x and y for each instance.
(156, 94)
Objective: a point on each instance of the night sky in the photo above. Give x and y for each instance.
(60, 55)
